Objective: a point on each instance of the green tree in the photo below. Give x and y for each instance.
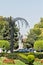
(3, 24)
(5, 30)
(36, 33)
(32, 37)
(16, 46)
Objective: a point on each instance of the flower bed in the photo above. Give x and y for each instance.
(9, 61)
(41, 60)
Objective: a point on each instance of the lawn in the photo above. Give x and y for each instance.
(17, 62)
(38, 63)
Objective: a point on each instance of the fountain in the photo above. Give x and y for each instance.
(20, 42)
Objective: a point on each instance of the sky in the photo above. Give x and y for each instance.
(31, 10)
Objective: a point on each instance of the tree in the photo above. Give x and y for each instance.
(5, 30)
(41, 20)
(32, 37)
(16, 46)
(3, 24)
(36, 33)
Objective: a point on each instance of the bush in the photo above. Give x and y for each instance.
(9, 55)
(31, 59)
(23, 57)
(39, 55)
(38, 45)
(12, 56)
(4, 44)
(28, 59)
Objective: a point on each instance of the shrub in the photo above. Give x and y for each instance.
(9, 55)
(23, 56)
(38, 45)
(31, 59)
(31, 53)
(4, 44)
(39, 55)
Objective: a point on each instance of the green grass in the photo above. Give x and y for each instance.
(38, 63)
(17, 62)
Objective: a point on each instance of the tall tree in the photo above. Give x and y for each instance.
(36, 33)
(7, 30)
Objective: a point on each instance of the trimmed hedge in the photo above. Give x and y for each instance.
(37, 54)
(9, 55)
(22, 56)
(28, 59)
(38, 45)
(4, 44)
(31, 59)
